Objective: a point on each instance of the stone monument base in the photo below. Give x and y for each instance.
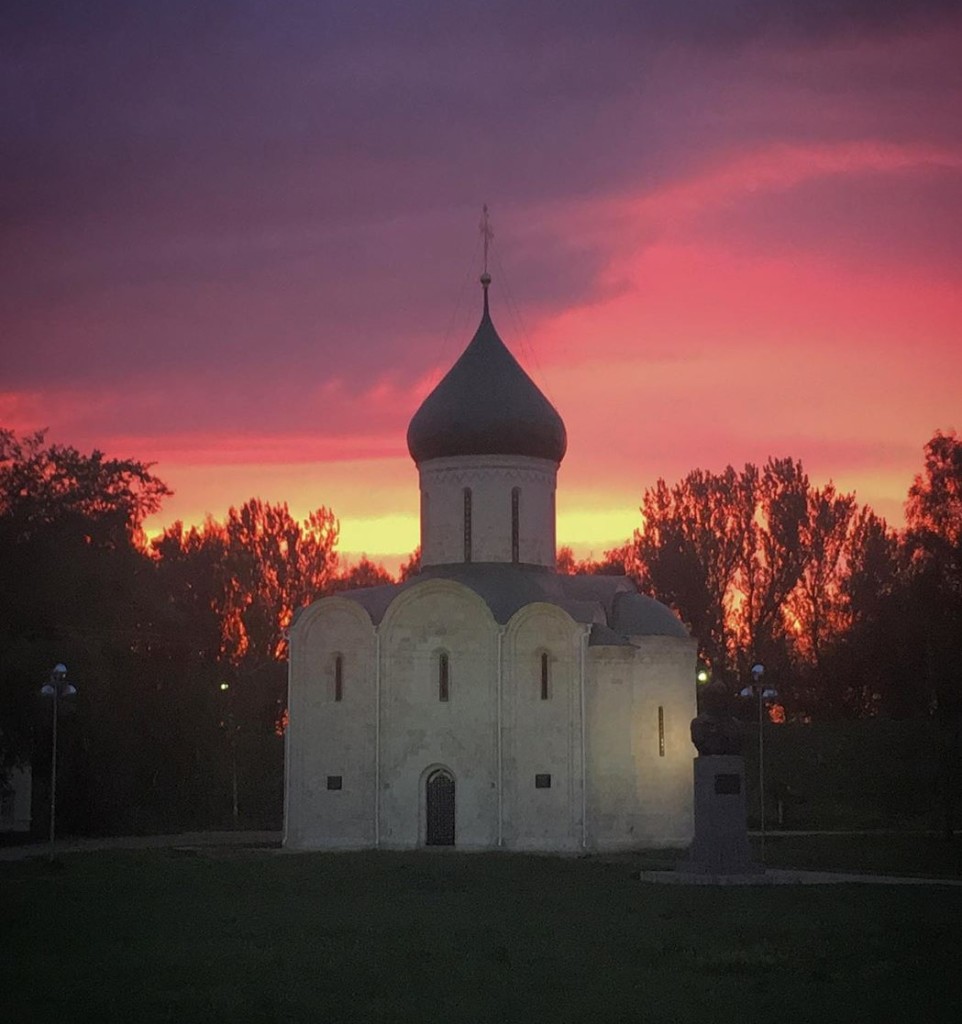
(720, 845)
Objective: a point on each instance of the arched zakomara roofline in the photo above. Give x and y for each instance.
(327, 626)
(308, 617)
(539, 609)
(415, 593)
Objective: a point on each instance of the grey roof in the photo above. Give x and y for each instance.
(610, 604)
(486, 405)
(604, 636)
(637, 614)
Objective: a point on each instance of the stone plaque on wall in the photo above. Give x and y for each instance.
(728, 785)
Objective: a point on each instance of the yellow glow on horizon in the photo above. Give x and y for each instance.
(390, 539)
(596, 530)
(592, 519)
(374, 534)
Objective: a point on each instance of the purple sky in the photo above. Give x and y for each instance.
(240, 239)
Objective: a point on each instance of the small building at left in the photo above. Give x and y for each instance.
(15, 799)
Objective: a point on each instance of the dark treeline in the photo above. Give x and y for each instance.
(850, 617)
(178, 646)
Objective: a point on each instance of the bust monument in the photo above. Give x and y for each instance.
(720, 845)
(715, 730)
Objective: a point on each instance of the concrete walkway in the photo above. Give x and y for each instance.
(782, 876)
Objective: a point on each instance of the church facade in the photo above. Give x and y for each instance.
(489, 702)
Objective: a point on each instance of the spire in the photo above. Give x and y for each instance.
(488, 236)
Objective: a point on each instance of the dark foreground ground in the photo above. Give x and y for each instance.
(231, 935)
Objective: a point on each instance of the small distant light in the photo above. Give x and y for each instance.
(702, 676)
(745, 692)
(48, 690)
(225, 686)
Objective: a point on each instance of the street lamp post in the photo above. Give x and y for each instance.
(763, 693)
(230, 725)
(56, 689)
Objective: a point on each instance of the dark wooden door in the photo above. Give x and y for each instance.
(440, 809)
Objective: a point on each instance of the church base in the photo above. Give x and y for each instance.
(562, 847)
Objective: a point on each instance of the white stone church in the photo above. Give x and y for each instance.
(489, 702)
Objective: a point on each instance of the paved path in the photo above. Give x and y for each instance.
(781, 876)
(789, 832)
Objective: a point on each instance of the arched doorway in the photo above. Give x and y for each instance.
(440, 809)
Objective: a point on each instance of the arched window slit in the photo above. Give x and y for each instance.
(444, 688)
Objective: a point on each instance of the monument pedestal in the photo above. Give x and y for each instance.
(720, 845)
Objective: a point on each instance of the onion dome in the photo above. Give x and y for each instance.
(486, 405)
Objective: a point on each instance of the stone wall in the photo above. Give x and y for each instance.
(639, 790)
(542, 736)
(328, 738)
(420, 732)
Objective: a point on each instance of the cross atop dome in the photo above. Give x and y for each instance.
(487, 236)
(486, 404)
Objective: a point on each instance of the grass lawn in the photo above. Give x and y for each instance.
(260, 936)
(882, 854)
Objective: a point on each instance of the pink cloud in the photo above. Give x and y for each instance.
(781, 167)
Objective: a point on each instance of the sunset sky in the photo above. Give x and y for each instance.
(240, 240)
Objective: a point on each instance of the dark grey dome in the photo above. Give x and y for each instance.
(637, 614)
(486, 405)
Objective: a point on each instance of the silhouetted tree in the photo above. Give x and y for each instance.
(75, 587)
(274, 565)
(934, 513)
(411, 567)
(694, 536)
(764, 566)
(612, 564)
(54, 487)
(249, 574)
(817, 605)
(565, 562)
(933, 543)
(772, 558)
(364, 574)
(842, 606)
